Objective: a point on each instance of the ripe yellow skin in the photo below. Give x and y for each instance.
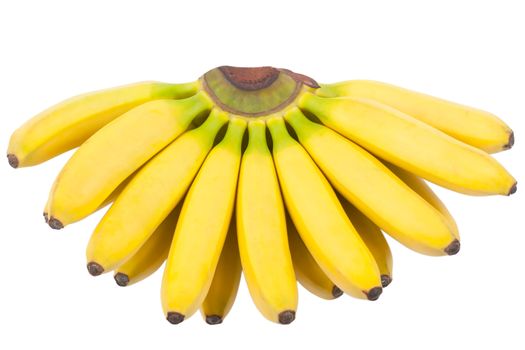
(202, 227)
(226, 279)
(412, 145)
(101, 164)
(373, 143)
(370, 186)
(471, 125)
(320, 218)
(307, 270)
(261, 230)
(151, 255)
(419, 186)
(374, 240)
(70, 123)
(151, 195)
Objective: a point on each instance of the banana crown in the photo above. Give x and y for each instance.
(254, 92)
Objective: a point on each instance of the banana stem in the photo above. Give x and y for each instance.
(278, 131)
(257, 133)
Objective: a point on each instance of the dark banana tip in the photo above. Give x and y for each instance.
(513, 189)
(13, 160)
(510, 143)
(336, 292)
(385, 280)
(46, 218)
(374, 293)
(213, 319)
(95, 269)
(121, 278)
(286, 317)
(174, 317)
(453, 248)
(55, 224)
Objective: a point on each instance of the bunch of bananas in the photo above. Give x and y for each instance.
(261, 171)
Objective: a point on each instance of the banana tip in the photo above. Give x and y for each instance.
(213, 319)
(13, 160)
(385, 280)
(94, 269)
(453, 248)
(513, 189)
(374, 293)
(55, 224)
(174, 317)
(121, 278)
(336, 292)
(286, 317)
(510, 143)
(46, 218)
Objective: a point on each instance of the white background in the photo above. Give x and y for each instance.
(468, 51)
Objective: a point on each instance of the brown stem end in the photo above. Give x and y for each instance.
(95, 269)
(13, 160)
(213, 319)
(287, 317)
(174, 317)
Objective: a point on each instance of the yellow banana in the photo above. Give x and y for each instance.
(321, 220)
(68, 124)
(202, 228)
(110, 199)
(412, 145)
(115, 152)
(374, 240)
(151, 255)
(419, 186)
(307, 271)
(261, 232)
(149, 197)
(473, 126)
(226, 279)
(374, 190)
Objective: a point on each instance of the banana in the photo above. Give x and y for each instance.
(307, 271)
(68, 124)
(261, 231)
(419, 186)
(312, 175)
(115, 152)
(226, 279)
(473, 126)
(151, 255)
(321, 220)
(149, 197)
(202, 228)
(412, 144)
(110, 199)
(374, 190)
(373, 238)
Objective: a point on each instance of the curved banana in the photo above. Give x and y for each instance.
(99, 165)
(151, 255)
(110, 199)
(307, 271)
(226, 279)
(202, 228)
(419, 186)
(321, 220)
(374, 190)
(374, 240)
(473, 126)
(412, 145)
(261, 232)
(68, 124)
(150, 197)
